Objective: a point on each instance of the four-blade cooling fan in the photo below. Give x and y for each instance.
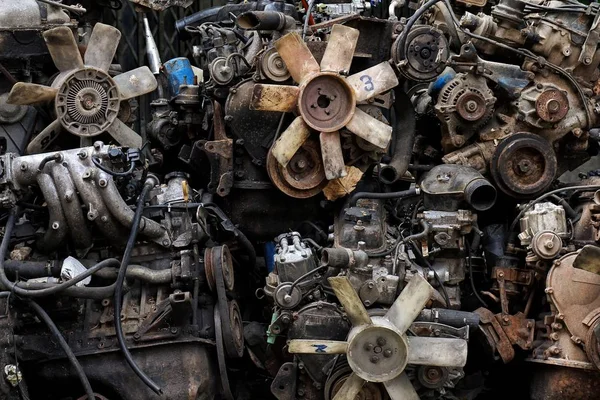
(378, 349)
(325, 99)
(86, 98)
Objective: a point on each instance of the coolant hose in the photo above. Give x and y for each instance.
(25, 289)
(118, 297)
(404, 138)
(389, 195)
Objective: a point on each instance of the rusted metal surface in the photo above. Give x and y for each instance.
(496, 335)
(560, 383)
(326, 102)
(275, 98)
(552, 105)
(298, 58)
(524, 164)
(303, 176)
(220, 154)
(161, 5)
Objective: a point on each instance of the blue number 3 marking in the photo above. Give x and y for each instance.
(368, 81)
(320, 348)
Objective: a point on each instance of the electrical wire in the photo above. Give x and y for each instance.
(307, 18)
(435, 274)
(470, 267)
(23, 288)
(118, 297)
(548, 194)
(43, 315)
(96, 162)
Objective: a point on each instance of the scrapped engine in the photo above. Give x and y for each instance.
(324, 201)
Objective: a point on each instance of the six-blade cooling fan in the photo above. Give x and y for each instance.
(378, 349)
(86, 98)
(325, 99)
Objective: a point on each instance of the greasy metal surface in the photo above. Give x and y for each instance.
(552, 105)
(574, 292)
(220, 154)
(303, 176)
(560, 383)
(524, 164)
(274, 98)
(297, 57)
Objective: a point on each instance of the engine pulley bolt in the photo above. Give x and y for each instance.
(471, 106)
(387, 353)
(374, 359)
(369, 347)
(381, 341)
(553, 106)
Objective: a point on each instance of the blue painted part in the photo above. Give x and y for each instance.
(179, 72)
(437, 85)
(270, 256)
(320, 348)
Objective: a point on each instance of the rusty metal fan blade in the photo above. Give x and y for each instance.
(370, 129)
(409, 304)
(340, 49)
(297, 57)
(102, 46)
(436, 351)
(124, 135)
(63, 48)
(400, 388)
(373, 81)
(331, 151)
(350, 388)
(135, 83)
(307, 346)
(290, 141)
(349, 299)
(44, 139)
(23, 93)
(280, 98)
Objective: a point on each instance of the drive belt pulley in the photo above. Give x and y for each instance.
(229, 335)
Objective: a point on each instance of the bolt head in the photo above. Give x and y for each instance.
(375, 359)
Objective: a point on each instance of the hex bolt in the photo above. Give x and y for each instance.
(549, 244)
(55, 225)
(387, 353)
(381, 341)
(24, 166)
(102, 182)
(82, 154)
(287, 298)
(371, 285)
(369, 347)
(374, 359)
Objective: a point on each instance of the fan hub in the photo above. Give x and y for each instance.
(87, 102)
(326, 102)
(377, 352)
